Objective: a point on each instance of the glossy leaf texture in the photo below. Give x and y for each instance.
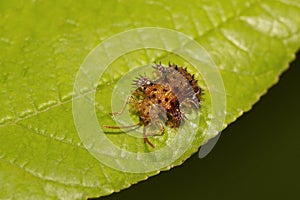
(43, 44)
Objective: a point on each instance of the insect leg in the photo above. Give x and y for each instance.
(122, 109)
(120, 127)
(161, 127)
(146, 140)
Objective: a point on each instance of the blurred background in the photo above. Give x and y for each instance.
(256, 157)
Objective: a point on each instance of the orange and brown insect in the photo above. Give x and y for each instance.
(159, 102)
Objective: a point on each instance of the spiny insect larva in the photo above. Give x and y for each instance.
(159, 102)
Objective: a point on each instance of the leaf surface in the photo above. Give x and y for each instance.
(43, 44)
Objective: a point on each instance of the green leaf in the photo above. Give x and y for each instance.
(43, 44)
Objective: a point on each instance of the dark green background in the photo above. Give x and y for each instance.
(257, 157)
